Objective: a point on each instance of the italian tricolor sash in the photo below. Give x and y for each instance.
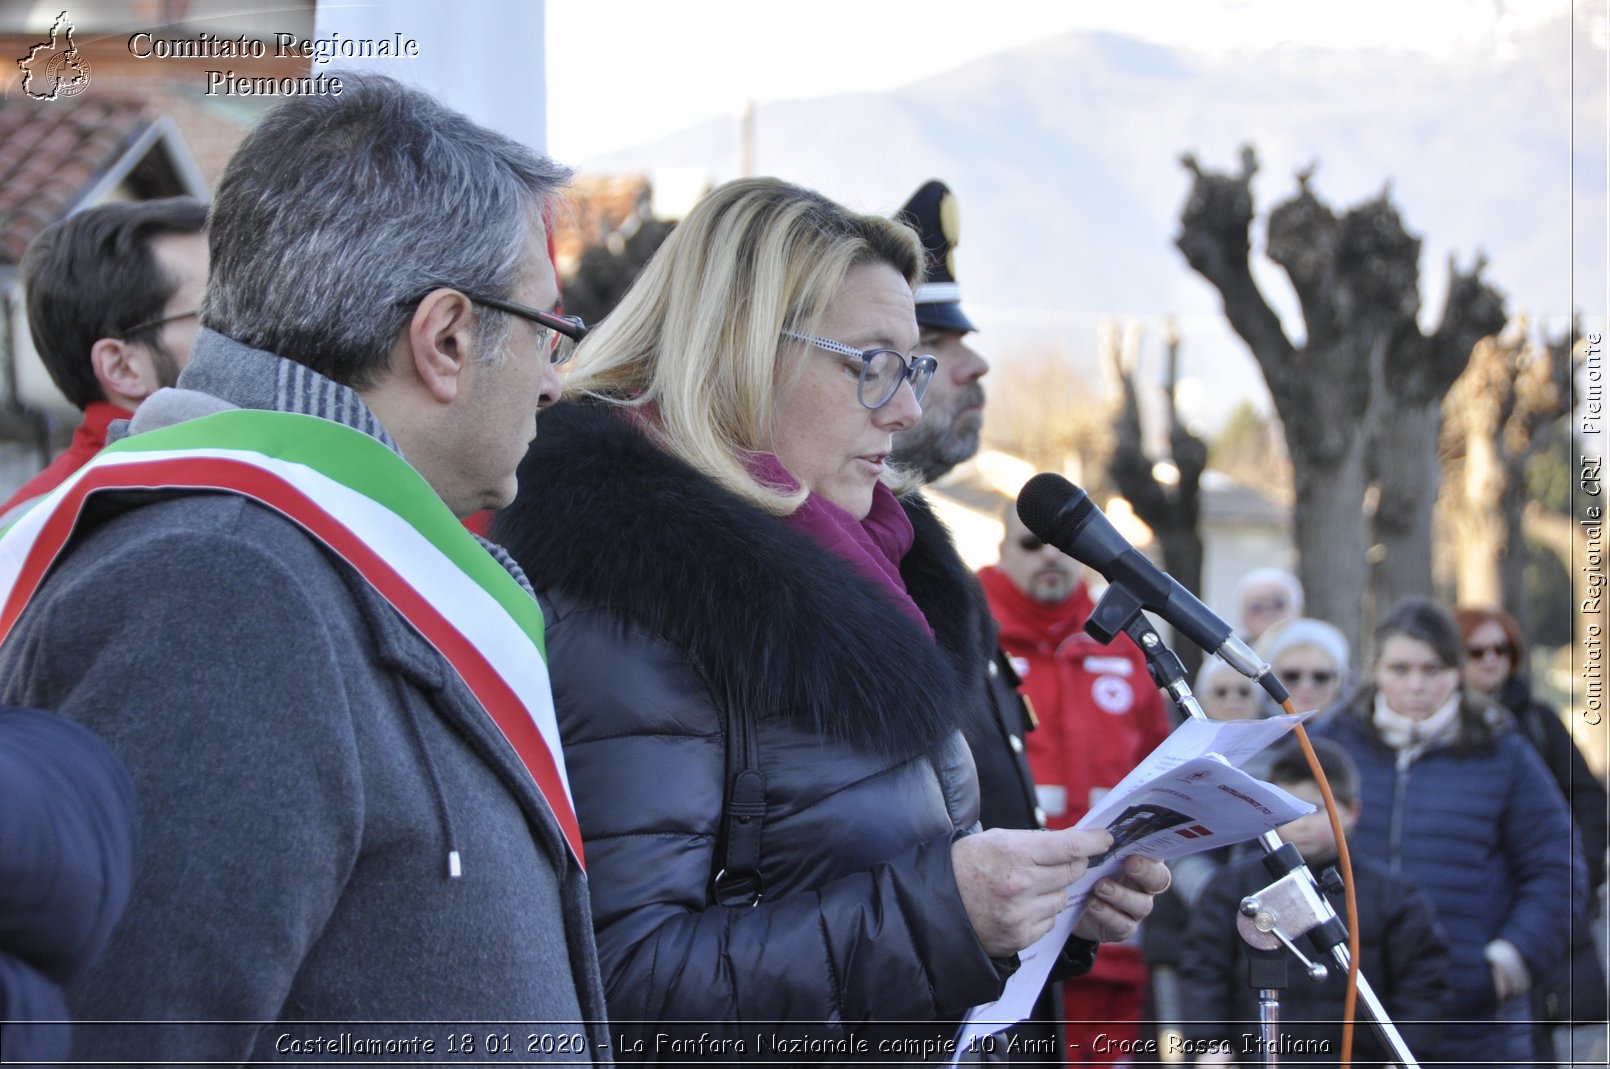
(368, 506)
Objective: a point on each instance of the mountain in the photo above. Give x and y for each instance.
(1064, 156)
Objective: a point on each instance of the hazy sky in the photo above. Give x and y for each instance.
(622, 72)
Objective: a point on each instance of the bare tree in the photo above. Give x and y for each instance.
(1405, 426)
(1366, 378)
(1171, 508)
(1511, 403)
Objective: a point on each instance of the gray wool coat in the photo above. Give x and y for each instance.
(304, 763)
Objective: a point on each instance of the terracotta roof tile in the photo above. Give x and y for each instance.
(54, 153)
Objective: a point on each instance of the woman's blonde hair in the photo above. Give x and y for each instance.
(698, 337)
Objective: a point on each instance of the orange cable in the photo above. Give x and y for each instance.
(1345, 865)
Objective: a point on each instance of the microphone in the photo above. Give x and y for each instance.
(1056, 511)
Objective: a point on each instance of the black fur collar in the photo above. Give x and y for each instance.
(951, 599)
(773, 621)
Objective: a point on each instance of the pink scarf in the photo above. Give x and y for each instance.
(874, 546)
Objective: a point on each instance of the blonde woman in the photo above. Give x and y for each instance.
(759, 667)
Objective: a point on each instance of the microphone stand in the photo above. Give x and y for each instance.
(1289, 907)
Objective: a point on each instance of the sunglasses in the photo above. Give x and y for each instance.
(1478, 653)
(1319, 677)
(1030, 544)
(1225, 691)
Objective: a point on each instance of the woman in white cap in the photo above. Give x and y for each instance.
(1310, 658)
(1224, 693)
(1264, 597)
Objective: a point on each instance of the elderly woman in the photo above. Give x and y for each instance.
(1223, 693)
(1264, 597)
(1459, 801)
(759, 669)
(1309, 657)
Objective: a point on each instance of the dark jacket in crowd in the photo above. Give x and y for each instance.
(66, 865)
(996, 726)
(671, 604)
(1582, 789)
(1478, 823)
(1575, 993)
(1402, 952)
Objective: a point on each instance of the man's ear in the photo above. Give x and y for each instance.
(120, 373)
(441, 342)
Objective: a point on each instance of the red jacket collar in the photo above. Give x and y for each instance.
(1023, 619)
(98, 418)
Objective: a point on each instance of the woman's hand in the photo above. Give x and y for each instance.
(1116, 907)
(1511, 978)
(1014, 883)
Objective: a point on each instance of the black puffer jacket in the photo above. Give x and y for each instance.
(1584, 794)
(66, 866)
(997, 721)
(670, 601)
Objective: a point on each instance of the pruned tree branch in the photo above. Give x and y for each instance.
(1215, 238)
(1359, 399)
(1170, 509)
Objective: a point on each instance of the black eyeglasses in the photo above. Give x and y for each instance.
(882, 370)
(1320, 677)
(1498, 649)
(153, 324)
(1029, 544)
(564, 332)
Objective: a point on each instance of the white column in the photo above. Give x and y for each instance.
(485, 58)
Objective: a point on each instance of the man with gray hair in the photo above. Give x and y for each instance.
(332, 697)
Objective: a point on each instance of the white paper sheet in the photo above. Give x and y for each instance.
(1186, 796)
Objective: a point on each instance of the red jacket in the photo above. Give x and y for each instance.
(1097, 708)
(88, 439)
